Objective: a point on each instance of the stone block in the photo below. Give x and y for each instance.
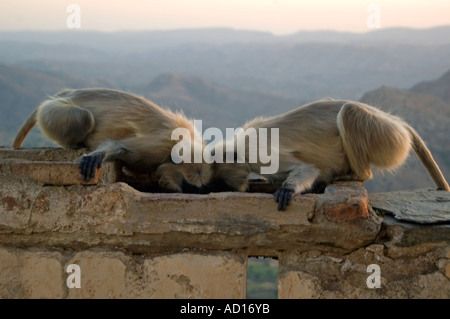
(10, 279)
(193, 275)
(53, 173)
(53, 154)
(297, 285)
(102, 274)
(42, 276)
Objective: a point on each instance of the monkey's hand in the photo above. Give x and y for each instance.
(170, 177)
(283, 197)
(89, 163)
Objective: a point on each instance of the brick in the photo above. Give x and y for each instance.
(354, 207)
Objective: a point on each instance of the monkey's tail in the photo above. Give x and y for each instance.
(427, 160)
(25, 129)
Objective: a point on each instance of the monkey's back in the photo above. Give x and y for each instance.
(119, 115)
(307, 133)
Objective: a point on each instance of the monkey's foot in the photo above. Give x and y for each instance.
(283, 197)
(89, 163)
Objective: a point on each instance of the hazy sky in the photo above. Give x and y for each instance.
(277, 16)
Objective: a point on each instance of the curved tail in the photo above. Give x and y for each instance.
(25, 129)
(427, 160)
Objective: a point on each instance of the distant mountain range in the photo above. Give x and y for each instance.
(439, 88)
(227, 77)
(134, 41)
(216, 105)
(301, 66)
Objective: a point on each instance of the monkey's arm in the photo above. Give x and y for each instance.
(106, 152)
(300, 179)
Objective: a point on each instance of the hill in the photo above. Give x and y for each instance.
(217, 105)
(439, 87)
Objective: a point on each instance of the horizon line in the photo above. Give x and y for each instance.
(225, 28)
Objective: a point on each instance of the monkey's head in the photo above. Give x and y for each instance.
(228, 177)
(183, 177)
(197, 174)
(203, 178)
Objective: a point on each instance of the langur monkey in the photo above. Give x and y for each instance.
(329, 140)
(117, 125)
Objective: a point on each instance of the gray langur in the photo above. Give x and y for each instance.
(118, 125)
(329, 140)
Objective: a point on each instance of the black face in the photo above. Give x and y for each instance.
(318, 188)
(214, 186)
(190, 189)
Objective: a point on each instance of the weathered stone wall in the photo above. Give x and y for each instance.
(132, 244)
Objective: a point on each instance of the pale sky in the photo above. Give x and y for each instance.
(276, 16)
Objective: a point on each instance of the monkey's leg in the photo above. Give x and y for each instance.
(65, 122)
(106, 152)
(300, 179)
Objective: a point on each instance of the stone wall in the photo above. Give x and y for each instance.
(133, 244)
